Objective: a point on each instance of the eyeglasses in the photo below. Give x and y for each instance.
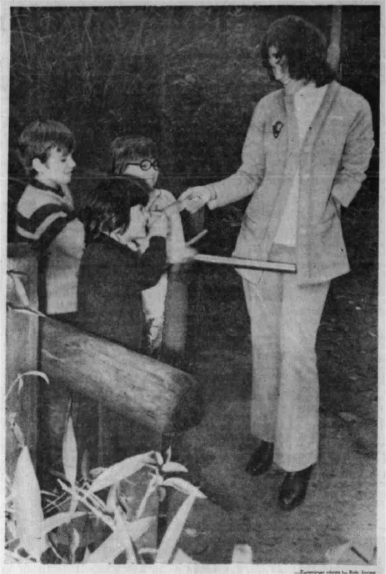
(146, 164)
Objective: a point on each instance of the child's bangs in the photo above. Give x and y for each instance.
(146, 150)
(65, 144)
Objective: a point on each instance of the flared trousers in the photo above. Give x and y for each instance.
(285, 388)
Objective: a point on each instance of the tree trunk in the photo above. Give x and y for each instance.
(333, 53)
(167, 140)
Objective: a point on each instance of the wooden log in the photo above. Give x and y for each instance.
(142, 389)
(21, 350)
(250, 263)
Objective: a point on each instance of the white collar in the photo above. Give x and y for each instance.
(310, 89)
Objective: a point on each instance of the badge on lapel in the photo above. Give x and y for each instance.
(276, 129)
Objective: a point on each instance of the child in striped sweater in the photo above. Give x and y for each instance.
(45, 212)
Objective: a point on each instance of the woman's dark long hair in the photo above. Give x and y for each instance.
(303, 48)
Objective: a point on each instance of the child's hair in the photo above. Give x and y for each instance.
(39, 138)
(107, 208)
(130, 148)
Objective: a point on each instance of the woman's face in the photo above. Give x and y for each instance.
(278, 65)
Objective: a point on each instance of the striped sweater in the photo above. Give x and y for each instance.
(46, 217)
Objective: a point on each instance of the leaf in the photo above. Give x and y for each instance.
(169, 454)
(20, 289)
(27, 504)
(25, 311)
(174, 530)
(107, 552)
(35, 374)
(94, 472)
(173, 467)
(111, 501)
(16, 429)
(334, 554)
(15, 558)
(113, 546)
(182, 558)
(242, 554)
(124, 535)
(86, 556)
(54, 357)
(58, 519)
(75, 542)
(20, 380)
(137, 528)
(85, 466)
(121, 470)
(162, 493)
(183, 486)
(70, 452)
(158, 458)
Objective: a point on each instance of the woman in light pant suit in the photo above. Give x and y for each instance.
(305, 155)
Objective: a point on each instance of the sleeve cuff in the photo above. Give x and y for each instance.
(212, 203)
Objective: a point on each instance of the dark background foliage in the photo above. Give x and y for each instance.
(188, 76)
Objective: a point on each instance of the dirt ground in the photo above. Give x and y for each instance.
(341, 504)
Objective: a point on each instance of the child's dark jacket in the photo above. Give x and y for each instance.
(111, 279)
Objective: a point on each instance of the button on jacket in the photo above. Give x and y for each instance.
(332, 162)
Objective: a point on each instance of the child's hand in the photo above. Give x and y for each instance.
(173, 211)
(159, 199)
(158, 224)
(181, 254)
(188, 254)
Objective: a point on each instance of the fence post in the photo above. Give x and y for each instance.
(21, 349)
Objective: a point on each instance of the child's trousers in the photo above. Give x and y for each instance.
(153, 303)
(285, 387)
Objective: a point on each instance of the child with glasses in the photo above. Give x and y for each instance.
(137, 157)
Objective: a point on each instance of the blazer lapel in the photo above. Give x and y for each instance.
(321, 115)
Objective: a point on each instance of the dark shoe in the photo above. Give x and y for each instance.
(261, 459)
(294, 487)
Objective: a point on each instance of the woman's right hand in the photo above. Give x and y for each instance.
(194, 198)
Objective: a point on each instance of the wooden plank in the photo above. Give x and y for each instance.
(142, 389)
(21, 350)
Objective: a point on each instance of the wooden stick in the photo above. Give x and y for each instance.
(197, 237)
(249, 263)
